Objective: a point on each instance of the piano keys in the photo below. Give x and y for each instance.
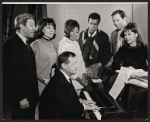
(111, 108)
(97, 113)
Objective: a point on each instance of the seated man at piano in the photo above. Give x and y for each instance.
(59, 99)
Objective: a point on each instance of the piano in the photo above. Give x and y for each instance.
(124, 107)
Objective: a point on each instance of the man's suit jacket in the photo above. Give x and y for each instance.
(19, 71)
(59, 100)
(114, 41)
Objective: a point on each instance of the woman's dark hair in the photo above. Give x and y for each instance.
(69, 26)
(42, 23)
(134, 28)
(63, 58)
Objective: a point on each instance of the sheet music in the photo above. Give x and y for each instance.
(139, 83)
(97, 113)
(119, 84)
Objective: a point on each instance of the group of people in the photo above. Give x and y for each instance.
(27, 68)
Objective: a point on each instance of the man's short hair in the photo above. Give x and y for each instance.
(63, 57)
(22, 19)
(121, 12)
(94, 16)
(69, 26)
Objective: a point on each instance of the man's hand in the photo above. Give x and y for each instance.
(87, 102)
(91, 107)
(89, 72)
(81, 81)
(24, 103)
(93, 70)
(98, 65)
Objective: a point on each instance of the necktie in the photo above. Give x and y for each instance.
(28, 45)
(73, 86)
(70, 81)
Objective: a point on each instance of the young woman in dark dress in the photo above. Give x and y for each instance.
(134, 52)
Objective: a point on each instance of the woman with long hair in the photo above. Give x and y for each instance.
(134, 53)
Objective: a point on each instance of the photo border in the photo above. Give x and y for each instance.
(72, 2)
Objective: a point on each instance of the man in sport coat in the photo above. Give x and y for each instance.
(19, 71)
(59, 99)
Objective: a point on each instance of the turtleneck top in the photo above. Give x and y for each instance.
(131, 56)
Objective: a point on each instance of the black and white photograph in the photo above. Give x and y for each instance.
(75, 61)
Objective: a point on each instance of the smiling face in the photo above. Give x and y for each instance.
(118, 21)
(130, 37)
(28, 29)
(93, 25)
(48, 31)
(74, 34)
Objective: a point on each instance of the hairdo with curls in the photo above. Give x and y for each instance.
(69, 26)
(41, 24)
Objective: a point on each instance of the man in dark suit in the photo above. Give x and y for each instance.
(19, 71)
(59, 99)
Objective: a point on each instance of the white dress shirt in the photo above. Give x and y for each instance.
(22, 37)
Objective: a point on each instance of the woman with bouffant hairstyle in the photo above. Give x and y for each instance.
(70, 43)
(43, 48)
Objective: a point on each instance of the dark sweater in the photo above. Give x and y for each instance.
(104, 51)
(131, 56)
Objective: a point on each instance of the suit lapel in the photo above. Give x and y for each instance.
(70, 88)
(22, 45)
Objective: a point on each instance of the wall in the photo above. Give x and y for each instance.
(80, 12)
(140, 16)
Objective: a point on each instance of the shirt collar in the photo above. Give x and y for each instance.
(68, 40)
(92, 34)
(22, 37)
(66, 76)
